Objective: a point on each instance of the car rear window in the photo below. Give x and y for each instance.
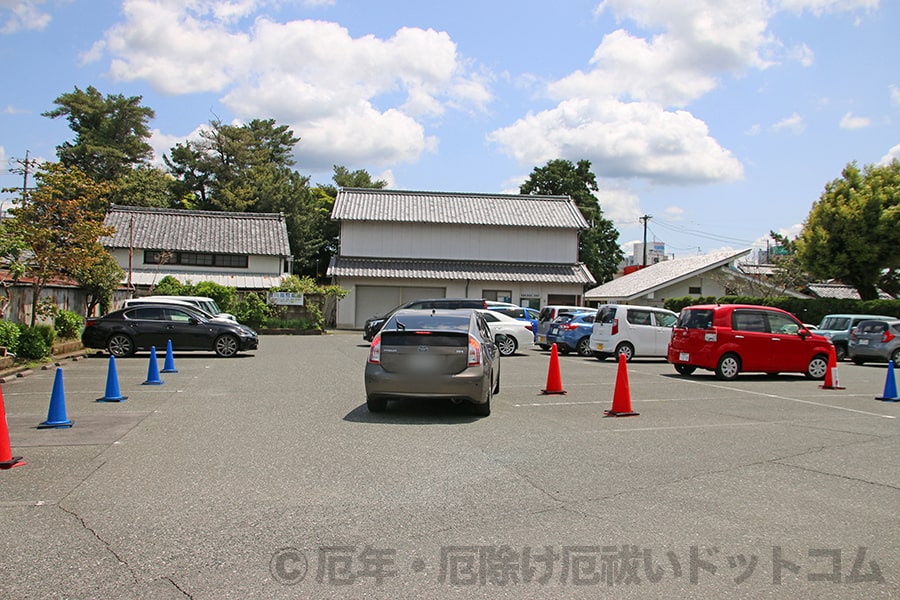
(607, 315)
(429, 322)
(424, 338)
(872, 327)
(696, 319)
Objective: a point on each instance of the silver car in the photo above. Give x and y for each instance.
(434, 354)
(875, 341)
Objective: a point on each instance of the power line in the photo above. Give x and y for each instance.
(703, 234)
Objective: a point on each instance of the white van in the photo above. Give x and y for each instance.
(205, 304)
(632, 331)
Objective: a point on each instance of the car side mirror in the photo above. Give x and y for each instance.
(803, 333)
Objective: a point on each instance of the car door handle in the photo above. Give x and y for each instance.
(738, 337)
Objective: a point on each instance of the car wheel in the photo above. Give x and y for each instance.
(226, 345)
(895, 356)
(840, 352)
(584, 346)
(375, 404)
(563, 349)
(818, 367)
(626, 349)
(685, 369)
(507, 345)
(484, 410)
(120, 345)
(729, 366)
(544, 346)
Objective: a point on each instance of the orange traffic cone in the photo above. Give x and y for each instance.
(622, 395)
(831, 375)
(554, 379)
(7, 460)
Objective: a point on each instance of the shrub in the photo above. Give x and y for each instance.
(222, 294)
(68, 324)
(252, 310)
(169, 286)
(33, 343)
(9, 336)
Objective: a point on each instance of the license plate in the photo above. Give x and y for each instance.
(684, 356)
(599, 346)
(541, 338)
(554, 330)
(863, 342)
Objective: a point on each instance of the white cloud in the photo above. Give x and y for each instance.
(820, 7)
(848, 121)
(622, 140)
(19, 15)
(312, 75)
(892, 155)
(895, 95)
(620, 205)
(674, 213)
(793, 124)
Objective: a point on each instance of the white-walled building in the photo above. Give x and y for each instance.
(397, 246)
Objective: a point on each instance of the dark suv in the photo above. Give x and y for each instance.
(373, 325)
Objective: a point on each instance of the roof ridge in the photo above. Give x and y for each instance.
(553, 197)
(192, 212)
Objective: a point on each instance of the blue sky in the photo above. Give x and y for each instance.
(722, 119)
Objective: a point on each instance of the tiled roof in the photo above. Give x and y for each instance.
(497, 210)
(263, 234)
(660, 275)
(452, 269)
(839, 290)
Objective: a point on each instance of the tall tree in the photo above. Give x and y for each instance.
(59, 223)
(598, 247)
(852, 233)
(110, 133)
(221, 169)
(99, 279)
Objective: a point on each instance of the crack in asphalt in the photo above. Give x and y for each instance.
(177, 587)
(108, 545)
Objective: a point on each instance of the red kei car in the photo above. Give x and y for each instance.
(739, 338)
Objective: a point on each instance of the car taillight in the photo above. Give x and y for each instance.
(528, 327)
(568, 326)
(375, 351)
(888, 336)
(90, 322)
(615, 328)
(474, 352)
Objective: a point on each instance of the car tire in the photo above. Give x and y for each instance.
(497, 385)
(226, 345)
(840, 352)
(818, 367)
(626, 349)
(685, 369)
(507, 345)
(895, 356)
(544, 346)
(729, 366)
(484, 409)
(375, 404)
(583, 347)
(120, 345)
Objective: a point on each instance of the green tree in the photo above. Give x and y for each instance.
(59, 223)
(852, 233)
(223, 169)
(12, 258)
(110, 133)
(598, 247)
(145, 186)
(99, 279)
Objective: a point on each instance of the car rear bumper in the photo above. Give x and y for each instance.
(469, 384)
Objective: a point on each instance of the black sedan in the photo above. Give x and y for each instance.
(434, 354)
(139, 327)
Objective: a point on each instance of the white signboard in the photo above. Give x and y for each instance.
(285, 298)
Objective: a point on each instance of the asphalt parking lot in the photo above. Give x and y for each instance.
(264, 476)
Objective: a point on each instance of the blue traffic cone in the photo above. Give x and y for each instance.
(153, 370)
(112, 384)
(56, 416)
(169, 365)
(890, 386)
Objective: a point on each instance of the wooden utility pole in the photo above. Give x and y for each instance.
(644, 220)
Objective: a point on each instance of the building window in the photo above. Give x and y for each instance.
(497, 295)
(696, 290)
(196, 259)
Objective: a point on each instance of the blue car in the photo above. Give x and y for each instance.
(522, 313)
(571, 332)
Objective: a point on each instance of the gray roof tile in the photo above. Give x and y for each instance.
(342, 266)
(497, 210)
(263, 234)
